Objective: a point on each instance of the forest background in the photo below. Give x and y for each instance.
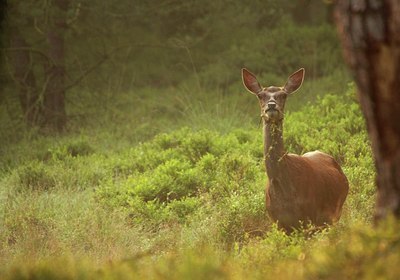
(130, 149)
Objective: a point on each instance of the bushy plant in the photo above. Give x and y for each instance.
(76, 148)
(173, 175)
(106, 196)
(62, 172)
(35, 176)
(361, 252)
(176, 174)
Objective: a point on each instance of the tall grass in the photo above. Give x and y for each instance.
(169, 184)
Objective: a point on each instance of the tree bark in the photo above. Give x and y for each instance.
(54, 99)
(25, 78)
(3, 9)
(370, 34)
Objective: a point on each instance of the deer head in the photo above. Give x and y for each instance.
(272, 99)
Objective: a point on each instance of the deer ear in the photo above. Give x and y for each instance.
(294, 81)
(250, 81)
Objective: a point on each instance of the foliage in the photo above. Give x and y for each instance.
(173, 176)
(160, 171)
(361, 253)
(169, 201)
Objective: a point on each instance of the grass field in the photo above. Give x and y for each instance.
(169, 184)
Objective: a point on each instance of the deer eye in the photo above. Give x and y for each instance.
(260, 95)
(281, 97)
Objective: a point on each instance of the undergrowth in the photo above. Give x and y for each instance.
(186, 203)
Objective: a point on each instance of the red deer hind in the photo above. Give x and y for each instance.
(308, 188)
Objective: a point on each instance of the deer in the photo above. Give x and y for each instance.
(301, 189)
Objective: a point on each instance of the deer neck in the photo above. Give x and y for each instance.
(273, 148)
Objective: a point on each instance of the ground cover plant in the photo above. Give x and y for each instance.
(159, 172)
(185, 202)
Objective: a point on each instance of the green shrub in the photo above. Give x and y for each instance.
(242, 216)
(358, 253)
(174, 174)
(35, 176)
(75, 148)
(224, 174)
(363, 253)
(73, 173)
(327, 126)
(181, 209)
(157, 202)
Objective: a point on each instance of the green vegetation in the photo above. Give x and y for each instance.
(114, 201)
(159, 173)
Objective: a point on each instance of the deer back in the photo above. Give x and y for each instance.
(311, 188)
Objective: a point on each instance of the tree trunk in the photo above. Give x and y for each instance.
(25, 78)
(370, 36)
(3, 9)
(54, 99)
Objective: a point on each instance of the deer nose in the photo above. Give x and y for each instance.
(271, 105)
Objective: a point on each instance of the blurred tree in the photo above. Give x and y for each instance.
(370, 35)
(36, 39)
(3, 9)
(54, 95)
(23, 75)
